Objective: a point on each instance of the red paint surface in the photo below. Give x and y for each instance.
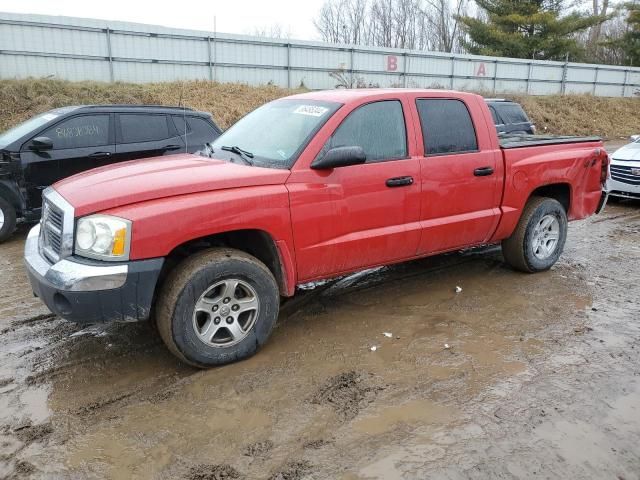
(329, 222)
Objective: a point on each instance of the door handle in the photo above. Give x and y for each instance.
(172, 147)
(100, 155)
(483, 171)
(399, 182)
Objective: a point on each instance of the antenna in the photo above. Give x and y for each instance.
(184, 119)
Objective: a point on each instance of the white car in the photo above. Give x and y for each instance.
(625, 170)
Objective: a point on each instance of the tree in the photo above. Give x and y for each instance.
(630, 42)
(273, 31)
(412, 24)
(443, 24)
(526, 29)
(595, 33)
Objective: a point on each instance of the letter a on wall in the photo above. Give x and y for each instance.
(481, 70)
(392, 63)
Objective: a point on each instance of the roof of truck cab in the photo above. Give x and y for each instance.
(345, 95)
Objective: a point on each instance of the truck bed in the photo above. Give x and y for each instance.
(519, 140)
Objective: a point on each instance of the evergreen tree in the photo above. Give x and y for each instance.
(533, 29)
(630, 42)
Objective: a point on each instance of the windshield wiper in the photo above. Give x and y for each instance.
(246, 156)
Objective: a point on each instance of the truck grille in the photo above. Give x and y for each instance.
(624, 174)
(56, 227)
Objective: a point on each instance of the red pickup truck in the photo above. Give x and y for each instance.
(307, 187)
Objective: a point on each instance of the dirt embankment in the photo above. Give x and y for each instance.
(609, 118)
(20, 99)
(227, 102)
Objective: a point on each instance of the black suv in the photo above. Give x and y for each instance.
(69, 140)
(509, 117)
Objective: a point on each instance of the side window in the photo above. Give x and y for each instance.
(446, 126)
(136, 128)
(181, 125)
(202, 128)
(514, 114)
(378, 128)
(496, 119)
(79, 132)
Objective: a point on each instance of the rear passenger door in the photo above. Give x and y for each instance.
(141, 135)
(461, 176)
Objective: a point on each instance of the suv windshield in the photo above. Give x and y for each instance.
(276, 133)
(24, 128)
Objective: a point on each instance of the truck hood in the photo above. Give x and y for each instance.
(159, 177)
(628, 152)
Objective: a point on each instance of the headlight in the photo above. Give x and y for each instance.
(103, 237)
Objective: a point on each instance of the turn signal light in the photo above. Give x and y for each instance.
(119, 240)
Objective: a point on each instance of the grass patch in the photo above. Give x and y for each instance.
(227, 102)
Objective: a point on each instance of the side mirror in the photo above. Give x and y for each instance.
(340, 157)
(41, 143)
(634, 138)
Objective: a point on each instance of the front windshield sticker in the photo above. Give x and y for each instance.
(49, 116)
(313, 110)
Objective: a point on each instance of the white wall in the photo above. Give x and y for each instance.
(89, 49)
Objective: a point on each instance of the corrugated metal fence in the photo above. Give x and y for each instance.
(87, 49)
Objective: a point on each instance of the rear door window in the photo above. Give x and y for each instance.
(196, 126)
(182, 126)
(446, 126)
(379, 128)
(496, 118)
(513, 113)
(201, 127)
(82, 131)
(138, 128)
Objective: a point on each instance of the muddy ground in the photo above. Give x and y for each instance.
(516, 376)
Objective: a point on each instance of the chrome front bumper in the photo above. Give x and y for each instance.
(85, 291)
(621, 189)
(70, 275)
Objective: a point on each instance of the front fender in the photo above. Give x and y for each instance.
(161, 225)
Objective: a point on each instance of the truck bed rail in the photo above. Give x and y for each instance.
(519, 141)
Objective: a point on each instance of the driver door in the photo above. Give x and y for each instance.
(353, 217)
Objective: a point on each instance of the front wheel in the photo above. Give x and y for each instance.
(7, 219)
(217, 307)
(539, 238)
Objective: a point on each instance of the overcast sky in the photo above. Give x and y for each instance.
(232, 16)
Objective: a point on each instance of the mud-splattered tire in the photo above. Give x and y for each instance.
(7, 219)
(532, 248)
(200, 281)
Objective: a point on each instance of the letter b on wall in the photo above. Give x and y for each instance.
(392, 63)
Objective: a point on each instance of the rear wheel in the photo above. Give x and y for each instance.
(539, 238)
(217, 307)
(7, 219)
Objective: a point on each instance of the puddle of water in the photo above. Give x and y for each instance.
(395, 465)
(414, 413)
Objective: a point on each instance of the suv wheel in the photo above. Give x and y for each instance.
(539, 237)
(217, 307)
(7, 219)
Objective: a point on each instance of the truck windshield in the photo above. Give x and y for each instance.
(276, 133)
(24, 128)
